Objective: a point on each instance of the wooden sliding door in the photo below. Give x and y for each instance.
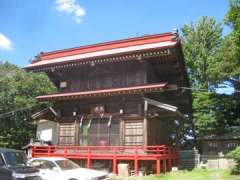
(133, 132)
(100, 131)
(66, 134)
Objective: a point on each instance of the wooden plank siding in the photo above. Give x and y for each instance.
(100, 77)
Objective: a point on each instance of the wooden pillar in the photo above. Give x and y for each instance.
(135, 165)
(176, 159)
(158, 167)
(77, 131)
(114, 165)
(88, 163)
(121, 132)
(145, 123)
(136, 162)
(169, 163)
(165, 165)
(114, 161)
(174, 162)
(168, 158)
(58, 133)
(89, 158)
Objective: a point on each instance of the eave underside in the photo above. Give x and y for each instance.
(106, 92)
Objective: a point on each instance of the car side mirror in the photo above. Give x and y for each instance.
(55, 169)
(35, 165)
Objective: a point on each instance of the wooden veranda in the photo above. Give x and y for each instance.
(164, 156)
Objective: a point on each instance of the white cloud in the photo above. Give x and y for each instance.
(71, 7)
(5, 43)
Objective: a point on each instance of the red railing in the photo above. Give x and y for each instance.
(163, 155)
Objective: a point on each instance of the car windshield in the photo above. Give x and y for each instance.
(15, 158)
(67, 164)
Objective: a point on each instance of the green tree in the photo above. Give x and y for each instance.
(18, 90)
(233, 17)
(235, 154)
(200, 43)
(226, 68)
(204, 117)
(215, 114)
(204, 50)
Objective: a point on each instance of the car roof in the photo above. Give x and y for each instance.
(49, 158)
(3, 150)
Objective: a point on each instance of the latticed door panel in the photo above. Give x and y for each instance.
(133, 132)
(100, 131)
(67, 134)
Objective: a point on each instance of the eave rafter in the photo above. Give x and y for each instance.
(143, 89)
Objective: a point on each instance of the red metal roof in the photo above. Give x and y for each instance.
(104, 92)
(108, 45)
(142, 43)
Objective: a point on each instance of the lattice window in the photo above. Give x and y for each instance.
(67, 134)
(133, 135)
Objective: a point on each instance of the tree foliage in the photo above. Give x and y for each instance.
(235, 154)
(226, 67)
(18, 90)
(227, 64)
(200, 43)
(211, 60)
(233, 17)
(215, 114)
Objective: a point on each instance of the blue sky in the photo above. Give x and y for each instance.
(29, 26)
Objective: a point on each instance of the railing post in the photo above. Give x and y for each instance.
(170, 159)
(145, 149)
(33, 151)
(114, 161)
(48, 153)
(136, 162)
(89, 158)
(65, 152)
(158, 168)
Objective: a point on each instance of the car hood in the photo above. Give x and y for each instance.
(84, 173)
(23, 169)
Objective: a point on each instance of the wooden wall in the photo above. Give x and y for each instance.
(122, 74)
(100, 76)
(160, 131)
(129, 105)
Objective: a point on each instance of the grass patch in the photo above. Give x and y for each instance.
(197, 174)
